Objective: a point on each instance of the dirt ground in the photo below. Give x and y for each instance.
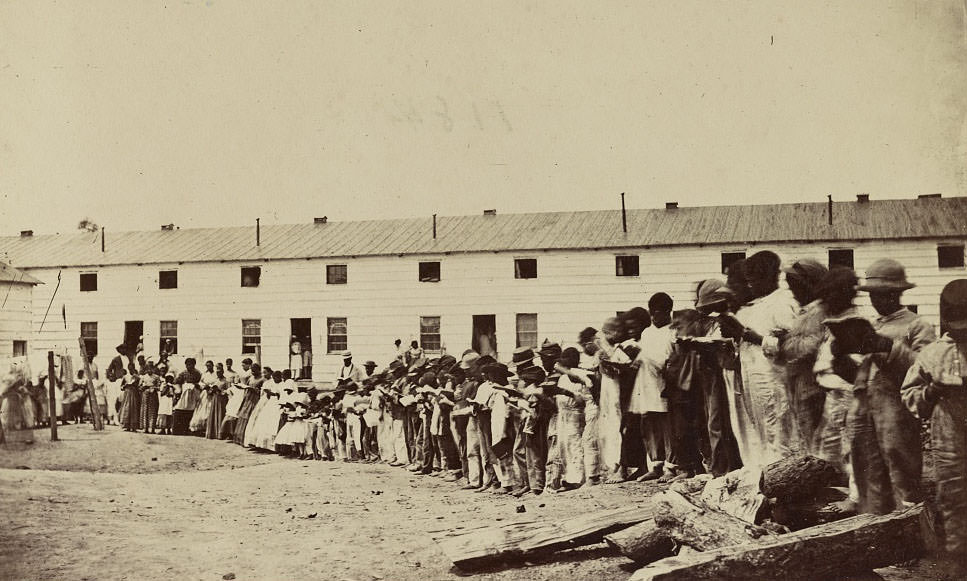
(118, 505)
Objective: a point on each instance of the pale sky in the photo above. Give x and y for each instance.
(137, 114)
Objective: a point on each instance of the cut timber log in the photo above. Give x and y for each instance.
(798, 479)
(490, 545)
(831, 551)
(642, 543)
(701, 529)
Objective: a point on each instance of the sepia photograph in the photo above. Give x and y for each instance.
(502, 291)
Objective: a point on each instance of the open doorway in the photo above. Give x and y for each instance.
(484, 339)
(134, 336)
(300, 348)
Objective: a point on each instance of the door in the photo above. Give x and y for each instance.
(484, 339)
(134, 335)
(300, 362)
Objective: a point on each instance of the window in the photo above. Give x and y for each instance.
(950, 256)
(251, 275)
(89, 334)
(168, 279)
(913, 308)
(19, 348)
(730, 258)
(251, 335)
(525, 268)
(337, 334)
(429, 272)
(88, 281)
(527, 330)
(841, 257)
(169, 337)
(430, 333)
(336, 274)
(626, 265)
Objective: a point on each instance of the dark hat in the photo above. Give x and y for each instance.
(484, 361)
(522, 357)
(496, 370)
(446, 362)
(370, 364)
(532, 375)
(587, 334)
(886, 274)
(550, 349)
(809, 270)
(428, 379)
(247, 360)
(953, 305)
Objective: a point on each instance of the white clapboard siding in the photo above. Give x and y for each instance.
(384, 299)
(15, 317)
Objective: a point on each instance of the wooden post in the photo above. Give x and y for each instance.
(258, 355)
(52, 396)
(91, 396)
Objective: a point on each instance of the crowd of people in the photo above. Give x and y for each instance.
(751, 372)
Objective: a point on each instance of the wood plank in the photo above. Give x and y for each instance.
(643, 543)
(830, 551)
(473, 548)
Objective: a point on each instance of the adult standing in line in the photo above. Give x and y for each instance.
(253, 394)
(116, 370)
(885, 443)
(187, 390)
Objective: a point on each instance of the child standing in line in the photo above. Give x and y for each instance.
(166, 400)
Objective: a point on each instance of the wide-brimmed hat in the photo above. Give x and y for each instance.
(370, 364)
(522, 357)
(886, 274)
(347, 354)
(469, 359)
(953, 305)
(711, 292)
(496, 370)
(809, 270)
(550, 349)
(532, 375)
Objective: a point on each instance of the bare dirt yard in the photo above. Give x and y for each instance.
(119, 505)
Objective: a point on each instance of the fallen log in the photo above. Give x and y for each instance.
(642, 543)
(698, 528)
(799, 478)
(490, 545)
(831, 551)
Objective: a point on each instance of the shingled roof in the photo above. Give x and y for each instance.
(872, 220)
(11, 274)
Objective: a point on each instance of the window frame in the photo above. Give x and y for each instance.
(619, 270)
(429, 278)
(161, 286)
(518, 332)
(87, 276)
(89, 339)
(519, 273)
(941, 248)
(427, 338)
(22, 344)
(734, 254)
(162, 337)
(258, 278)
(831, 264)
(248, 348)
(331, 346)
(330, 279)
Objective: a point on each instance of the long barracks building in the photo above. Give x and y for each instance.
(486, 281)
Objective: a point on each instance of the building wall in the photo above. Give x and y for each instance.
(384, 299)
(15, 317)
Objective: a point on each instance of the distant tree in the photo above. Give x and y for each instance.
(88, 225)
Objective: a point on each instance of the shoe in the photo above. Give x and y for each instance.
(425, 472)
(414, 468)
(396, 464)
(501, 490)
(451, 477)
(469, 486)
(520, 492)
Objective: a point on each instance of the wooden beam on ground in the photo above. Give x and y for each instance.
(491, 545)
(643, 543)
(698, 528)
(91, 396)
(830, 551)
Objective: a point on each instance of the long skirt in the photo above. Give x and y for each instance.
(609, 426)
(199, 420)
(244, 413)
(227, 429)
(249, 432)
(180, 419)
(267, 426)
(131, 409)
(149, 410)
(215, 416)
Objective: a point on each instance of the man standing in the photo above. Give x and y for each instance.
(187, 384)
(885, 437)
(349, 371)
(115, 373)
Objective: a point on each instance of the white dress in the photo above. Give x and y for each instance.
(267, 424)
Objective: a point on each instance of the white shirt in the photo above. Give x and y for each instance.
(656, 346)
